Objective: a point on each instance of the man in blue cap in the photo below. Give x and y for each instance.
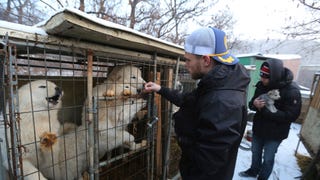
(210, 122)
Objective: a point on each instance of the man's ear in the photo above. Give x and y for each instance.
(207, 60)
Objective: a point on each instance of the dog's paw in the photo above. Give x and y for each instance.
(47, 140)
(128, 144)
(127, 140)
(127, 92)
(109, 93)
(134, 146)
(143, 143)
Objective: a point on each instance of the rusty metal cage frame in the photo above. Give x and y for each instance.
(79, 59)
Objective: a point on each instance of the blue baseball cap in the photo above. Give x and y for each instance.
(211, 42)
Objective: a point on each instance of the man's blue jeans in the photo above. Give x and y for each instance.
(267, 148)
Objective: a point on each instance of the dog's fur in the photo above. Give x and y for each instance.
(269, 99)
(123, 75)
(121, 89)
(123, 83)
(70, 153)
(72, 156)
(62, 150)
(39, 102)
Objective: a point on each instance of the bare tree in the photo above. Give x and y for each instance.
(132, 17)
(108, 10)
(82, 6)
(21, 11)
(6, 11)
(309, 28)
(223, 20)
(166, 19)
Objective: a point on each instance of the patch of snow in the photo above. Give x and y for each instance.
(285, 166)
(23, 28)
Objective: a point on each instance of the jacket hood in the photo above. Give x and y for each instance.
(227, 77)
(279, 75)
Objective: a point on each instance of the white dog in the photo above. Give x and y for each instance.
(125, 76)
(39, 102)
(123, 83)
(122, 88)
(69, 154)
(72, 157)
(269, 99)
(114, 113)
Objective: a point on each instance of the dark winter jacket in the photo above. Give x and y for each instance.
(210, 122)
(276, 126)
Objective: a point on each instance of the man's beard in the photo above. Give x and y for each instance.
(196, 76)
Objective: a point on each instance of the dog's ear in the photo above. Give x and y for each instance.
(276, 92)
(118, 78)
(115, 79)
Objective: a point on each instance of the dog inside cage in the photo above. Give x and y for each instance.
(73, 105)
(51, 112)
(36, 114)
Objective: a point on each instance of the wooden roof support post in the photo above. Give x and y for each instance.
(159, 132)
(93, 173)
(156, 77)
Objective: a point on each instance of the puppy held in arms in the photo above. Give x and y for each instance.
(269, 99)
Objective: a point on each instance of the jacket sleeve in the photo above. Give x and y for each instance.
(172, 95)
(257, 93)
(290, 109)
(251, 106)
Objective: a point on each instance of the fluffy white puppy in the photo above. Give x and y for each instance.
(269, 99)
(39, 103)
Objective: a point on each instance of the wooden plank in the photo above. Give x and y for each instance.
(310, 130)
(159, 132)
(315, 101)
(79, 47)
(72, 23)
(169, 83)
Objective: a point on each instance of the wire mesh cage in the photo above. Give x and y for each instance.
(77, 110)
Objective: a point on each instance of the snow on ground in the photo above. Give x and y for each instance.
(285, 167)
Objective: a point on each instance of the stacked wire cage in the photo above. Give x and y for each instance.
(75, 68)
